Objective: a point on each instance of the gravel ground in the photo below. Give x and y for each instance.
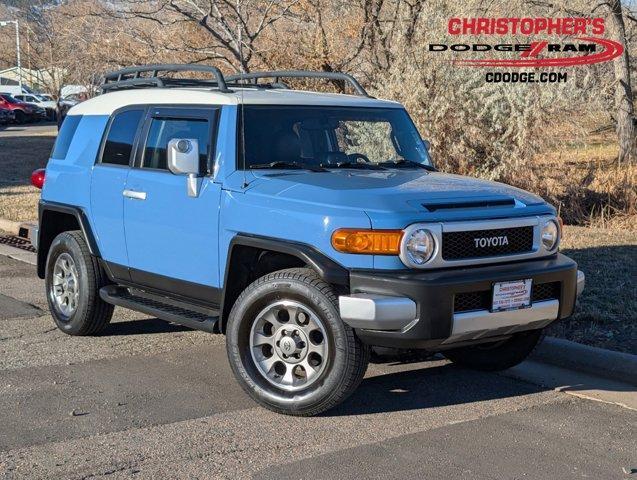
(37, 342)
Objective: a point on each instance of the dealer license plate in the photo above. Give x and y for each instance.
(511, 295)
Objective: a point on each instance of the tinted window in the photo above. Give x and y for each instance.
(329, 136)
(65, 135)
(121, 136)
(162, 130)
(9, 98)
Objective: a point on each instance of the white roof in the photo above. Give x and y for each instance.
(107, 103)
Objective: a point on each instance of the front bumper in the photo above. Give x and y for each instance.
(407, 309)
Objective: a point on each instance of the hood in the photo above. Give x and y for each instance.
(394, 198)
(391, 191)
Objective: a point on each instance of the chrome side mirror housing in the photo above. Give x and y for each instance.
(183, 159)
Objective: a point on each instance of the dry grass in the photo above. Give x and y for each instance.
(585, 183)
(19, 203)
(22, 150)
(606, 314)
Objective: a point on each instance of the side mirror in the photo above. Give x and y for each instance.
(183, 159)
(427, 144)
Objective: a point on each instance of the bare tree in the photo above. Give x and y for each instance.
(623, 89)
(623, 95)
(233, 27)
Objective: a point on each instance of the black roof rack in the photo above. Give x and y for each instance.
(278, 74)
(131, 77)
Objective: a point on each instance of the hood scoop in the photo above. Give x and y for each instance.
(477, 203)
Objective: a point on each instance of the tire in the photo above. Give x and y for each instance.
(85, 312)
(492, 357)
(20, 117)
(334, 360)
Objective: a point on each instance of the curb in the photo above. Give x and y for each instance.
(596, 361)
(18, 254)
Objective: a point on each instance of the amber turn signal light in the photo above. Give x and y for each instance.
(371, 242)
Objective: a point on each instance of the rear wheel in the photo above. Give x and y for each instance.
(498, 355)
(288, 347)
(73, 280)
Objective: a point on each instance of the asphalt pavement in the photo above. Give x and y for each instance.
(147, 399)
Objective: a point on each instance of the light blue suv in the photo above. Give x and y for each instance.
(304, 226)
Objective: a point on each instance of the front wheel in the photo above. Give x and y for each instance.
(289, 348)
(498, 355)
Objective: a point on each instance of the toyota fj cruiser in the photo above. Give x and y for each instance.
(304, 226)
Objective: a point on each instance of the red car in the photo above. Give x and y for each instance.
(24, 112)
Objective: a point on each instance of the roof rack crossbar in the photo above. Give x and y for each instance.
(130, 76)
(133, 82)
(278, 74)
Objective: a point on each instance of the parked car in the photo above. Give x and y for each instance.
(24, 112)
(304, 226)
(46, 102)
(6, 116)
(65, 103)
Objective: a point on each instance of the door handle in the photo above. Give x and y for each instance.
(134, 194)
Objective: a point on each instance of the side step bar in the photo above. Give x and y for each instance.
(175, 312)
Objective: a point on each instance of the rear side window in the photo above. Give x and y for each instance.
(162, 130)
(65, 135)
(121, 137)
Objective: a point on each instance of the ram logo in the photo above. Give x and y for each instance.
(483, 242)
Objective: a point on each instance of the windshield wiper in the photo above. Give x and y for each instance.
(289, 165)
(362, 166)
(408, 163)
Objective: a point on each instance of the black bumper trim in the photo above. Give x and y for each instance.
(434, 293)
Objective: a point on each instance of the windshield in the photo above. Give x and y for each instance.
(9, 98)
(331, 137)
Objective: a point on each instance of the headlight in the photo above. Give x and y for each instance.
(418, 247)
(550, 235)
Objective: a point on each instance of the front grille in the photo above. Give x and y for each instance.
(486, 243)
(546, 291)
(471, 301)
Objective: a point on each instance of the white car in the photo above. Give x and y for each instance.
(42, 100)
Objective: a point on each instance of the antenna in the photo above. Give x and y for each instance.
(241, 107)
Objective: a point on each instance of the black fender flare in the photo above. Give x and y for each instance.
(44, 242)
(329, 270)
